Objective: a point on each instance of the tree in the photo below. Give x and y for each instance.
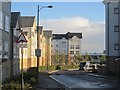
(102, 59)
(77, 58)
(56, 58)
(87, 57)
(63, 58)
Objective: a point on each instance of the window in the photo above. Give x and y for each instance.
(7, 23)
(77, 52)
(116, 28)
(1, 20)
(56, 45)
(116, 10)
(116, 46)
(6, 46)
(77, 46)
(63, 42)
(5, 54)
(63, 46)
(0, 45)
(71, 52)
(64, 51)
(57, 51)
(71, 46)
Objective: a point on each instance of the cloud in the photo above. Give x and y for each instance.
(93, 32)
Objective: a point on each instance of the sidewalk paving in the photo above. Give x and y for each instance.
(46, 83)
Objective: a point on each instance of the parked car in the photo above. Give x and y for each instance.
(82, 64)
(87, 66)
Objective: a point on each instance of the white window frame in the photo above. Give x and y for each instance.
(7, 23)
(77, 52)
(116, 46)
(71, 52)
(6, 49)
(116, 28)
(63, 42)
(116, 10)
(6, 46)
(77, 47)
(71, 46)
(1, 20)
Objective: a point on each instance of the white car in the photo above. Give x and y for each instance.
(87, 66)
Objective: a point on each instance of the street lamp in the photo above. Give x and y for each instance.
(38, 36)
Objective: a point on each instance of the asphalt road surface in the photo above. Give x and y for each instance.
(87, 81)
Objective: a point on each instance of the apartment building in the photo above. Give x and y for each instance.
(28, 25)
(68, 44)
(112, 30)
(5, 15)
(14, 49)
(45, 46)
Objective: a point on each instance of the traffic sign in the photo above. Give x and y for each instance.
(21, 38)
(23, 45)
(37, 52)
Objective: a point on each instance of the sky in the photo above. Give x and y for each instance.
(81, 17)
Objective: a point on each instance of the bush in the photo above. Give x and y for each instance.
(58, 67)
(44, 68)
(29, 80)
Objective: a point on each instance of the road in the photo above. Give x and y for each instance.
(86, 81)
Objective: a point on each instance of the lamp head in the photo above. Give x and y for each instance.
(49, 6)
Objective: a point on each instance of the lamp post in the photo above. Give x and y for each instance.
(38, 34)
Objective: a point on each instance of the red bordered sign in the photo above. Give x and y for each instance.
(22, 38)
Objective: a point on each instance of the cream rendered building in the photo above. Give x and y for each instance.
(28, 24)
(45, 46)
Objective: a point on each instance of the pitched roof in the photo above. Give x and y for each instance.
(47, 33)
(67, 35)
(14, 18)
(58, 36)
(27, 21)
(70, 35)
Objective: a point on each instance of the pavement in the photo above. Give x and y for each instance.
(46, 83)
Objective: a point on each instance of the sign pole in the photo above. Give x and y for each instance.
(22, 39)
(22, 80)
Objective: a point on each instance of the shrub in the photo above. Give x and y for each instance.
(30, 78)
(58, 67)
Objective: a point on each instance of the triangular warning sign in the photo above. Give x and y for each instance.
(21, 38)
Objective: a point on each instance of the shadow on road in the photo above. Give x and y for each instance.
(46, 83)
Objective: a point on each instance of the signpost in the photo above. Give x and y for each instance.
(22, 39)
(37, 52)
